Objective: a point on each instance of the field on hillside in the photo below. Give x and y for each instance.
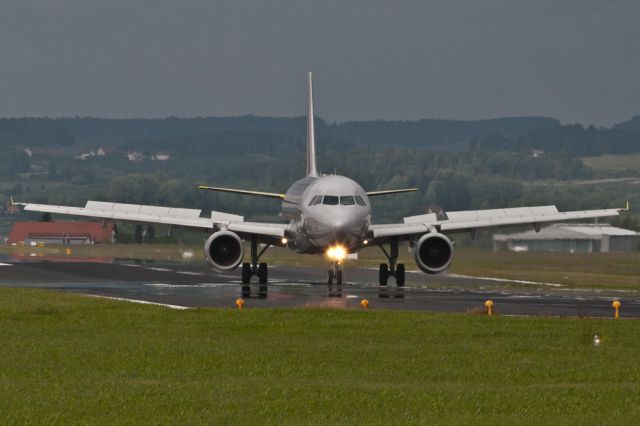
(613, 162)
(580, 270)
(76, 359)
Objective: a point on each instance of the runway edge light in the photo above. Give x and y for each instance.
(489, 305)
(616, 305)
(239, 303)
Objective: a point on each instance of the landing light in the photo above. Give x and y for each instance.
(336, 253)
(365, 242)
(284, 241)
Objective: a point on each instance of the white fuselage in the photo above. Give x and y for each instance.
(326, 211)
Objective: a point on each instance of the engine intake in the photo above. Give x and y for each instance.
(223, 250)
(433, 252)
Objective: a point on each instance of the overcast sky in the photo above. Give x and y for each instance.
(576, 60)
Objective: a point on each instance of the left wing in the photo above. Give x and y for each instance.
(471, 220)
(189, 218)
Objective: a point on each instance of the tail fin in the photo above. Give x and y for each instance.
(311, 140)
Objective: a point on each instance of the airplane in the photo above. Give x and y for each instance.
(324, 214)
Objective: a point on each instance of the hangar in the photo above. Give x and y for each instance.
(63, 233)
(572, 238)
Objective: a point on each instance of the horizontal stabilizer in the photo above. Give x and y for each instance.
(390, 191)
(244, 192)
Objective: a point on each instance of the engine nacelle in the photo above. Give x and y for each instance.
(433, 252)
(223, 250)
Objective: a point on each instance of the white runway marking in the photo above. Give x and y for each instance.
(161, 269)
(6, 264)
(504, 280)
(142, 302)
(202, 285)
(190, 273)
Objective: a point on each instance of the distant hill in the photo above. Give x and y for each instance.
(437, 133)
(632, 124)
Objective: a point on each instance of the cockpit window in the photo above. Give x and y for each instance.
(330, 200)
(347, 200)
(360, 201)
(315, 200)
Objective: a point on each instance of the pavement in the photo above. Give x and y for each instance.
(194, 285)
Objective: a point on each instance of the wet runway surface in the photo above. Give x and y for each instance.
(196, 286)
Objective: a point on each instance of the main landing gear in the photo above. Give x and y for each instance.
(335, 276)
(392, 269)
(255, 268)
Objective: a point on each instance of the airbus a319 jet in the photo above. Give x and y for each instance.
(327, 215)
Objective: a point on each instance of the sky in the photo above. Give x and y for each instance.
(575, 60)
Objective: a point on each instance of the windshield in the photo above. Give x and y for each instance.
(330, 200)
(347, 200)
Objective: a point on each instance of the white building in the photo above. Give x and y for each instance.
(572, 238)
(135, 156)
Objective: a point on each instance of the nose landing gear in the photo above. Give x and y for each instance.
(335, 275)
(255, 268)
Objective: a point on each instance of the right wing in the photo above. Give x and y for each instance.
(189, 218)
(474, 219)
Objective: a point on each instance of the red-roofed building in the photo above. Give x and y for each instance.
(65, 233)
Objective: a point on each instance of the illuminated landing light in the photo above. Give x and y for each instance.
(337, 253)
(284, 241)
(365, 242)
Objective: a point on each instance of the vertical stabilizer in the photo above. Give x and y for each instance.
(311, 140)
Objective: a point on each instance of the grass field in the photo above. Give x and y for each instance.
(579, 270)
(613, 162)
(80, 360)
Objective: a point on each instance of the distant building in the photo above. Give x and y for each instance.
(104, 151)
(86, 155)
(572, 238)
(135, 156)
(537, 153)
(28, 152)
(64, 233)
(161, 156)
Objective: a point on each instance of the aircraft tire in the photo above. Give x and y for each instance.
(400, 275)
(262, 273)
(383, 275)
(339, 277)
(246, 273)
(330, 279)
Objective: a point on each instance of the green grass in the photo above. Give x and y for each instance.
(613, 162)
(75, 359)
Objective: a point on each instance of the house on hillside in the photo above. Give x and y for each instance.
(572, 238)
(104, 151)
(161, 156)
(135, 156)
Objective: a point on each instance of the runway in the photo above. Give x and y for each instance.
(194, 285)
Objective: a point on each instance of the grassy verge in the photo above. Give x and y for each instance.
(74, 359)
(613, 162)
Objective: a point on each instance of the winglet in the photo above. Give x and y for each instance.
(626, 209)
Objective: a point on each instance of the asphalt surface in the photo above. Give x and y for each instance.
(189, 285)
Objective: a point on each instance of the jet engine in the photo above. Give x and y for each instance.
(223, 250)
(433, 252)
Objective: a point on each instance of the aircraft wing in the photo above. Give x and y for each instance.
(189, 218)
(471, 220)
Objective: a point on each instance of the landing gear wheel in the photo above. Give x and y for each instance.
(400, 275)
(246, 273)
(262, 273)
(383, 275)
(339, 277)
(330, 277)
